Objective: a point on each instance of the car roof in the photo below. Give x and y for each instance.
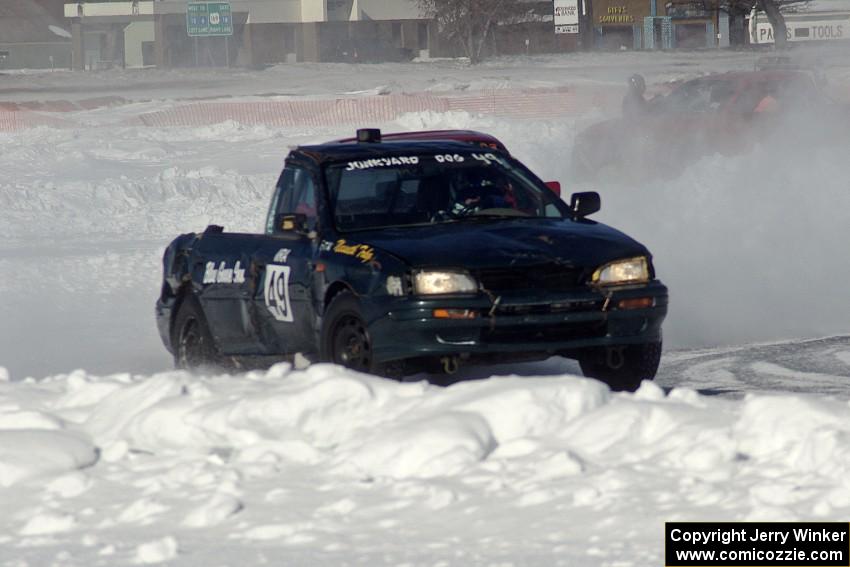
(345, 150)
(755, 76)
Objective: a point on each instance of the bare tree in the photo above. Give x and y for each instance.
(468, 23)
(771, 8)
(776, 19)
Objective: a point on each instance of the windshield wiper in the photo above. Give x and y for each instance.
(491, 215)
(503, 216)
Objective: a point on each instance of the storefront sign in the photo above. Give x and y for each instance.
(617, 15)
(810, 30)
(566, 16)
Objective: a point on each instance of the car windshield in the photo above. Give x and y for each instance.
(412, 190)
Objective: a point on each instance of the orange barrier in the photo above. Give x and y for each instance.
(15, 120)
(525, 103)
(320, 112)
(537, 103)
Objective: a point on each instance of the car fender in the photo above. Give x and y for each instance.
(176, 265)
(364, 271)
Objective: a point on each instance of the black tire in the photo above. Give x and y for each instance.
(193, 343)
(345, 338)
(639, 362)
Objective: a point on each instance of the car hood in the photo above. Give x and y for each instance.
(505, 242)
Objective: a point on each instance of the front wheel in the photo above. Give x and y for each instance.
(622, 368)
(345, 338)
(193, 343)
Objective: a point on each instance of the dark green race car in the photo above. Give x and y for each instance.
(396, 257)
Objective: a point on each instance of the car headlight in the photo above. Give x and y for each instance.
(630, 270)
(439, 282)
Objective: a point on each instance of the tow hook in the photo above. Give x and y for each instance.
(494, 304)
(607, 302)
(449, 364)
(614, 358)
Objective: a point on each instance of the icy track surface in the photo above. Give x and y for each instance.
(750, 246)
(330, 467)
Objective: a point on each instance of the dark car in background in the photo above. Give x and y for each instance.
(721, 113)
(418, 253)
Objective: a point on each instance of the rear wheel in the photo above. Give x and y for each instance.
(193, 343)
(622, 368)
(345, 338)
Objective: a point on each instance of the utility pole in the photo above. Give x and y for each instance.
(586, 31)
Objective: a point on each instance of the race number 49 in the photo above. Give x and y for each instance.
(277, 293)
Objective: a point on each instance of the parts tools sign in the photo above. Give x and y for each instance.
(757, 544)
(566, 16)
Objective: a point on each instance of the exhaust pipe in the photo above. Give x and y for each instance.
(449, 364)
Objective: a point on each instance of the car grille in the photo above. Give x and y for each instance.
(547, 277)
(547, 308)
(545, 333)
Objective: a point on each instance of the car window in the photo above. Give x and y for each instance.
(698, 96)
(295, 194)
(799, 91)
(415, 190)
(749, 98)
(795, 92)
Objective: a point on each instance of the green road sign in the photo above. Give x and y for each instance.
(209, 18)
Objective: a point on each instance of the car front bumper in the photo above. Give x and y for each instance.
(517, 325)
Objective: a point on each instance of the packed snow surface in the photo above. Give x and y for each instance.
(131, 463)
(327, 466)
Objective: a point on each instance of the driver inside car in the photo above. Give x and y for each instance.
(477, 195)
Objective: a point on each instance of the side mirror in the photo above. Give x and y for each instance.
(289, 222)
(585, 204)
(555, 187)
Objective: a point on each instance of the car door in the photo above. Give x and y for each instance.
(222, 273)
(285, 266)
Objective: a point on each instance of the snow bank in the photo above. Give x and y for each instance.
(311, 457)
(158, 551)
(111, 207)
(30, 453)
(403, 430)
(366, 424)
(305, 459)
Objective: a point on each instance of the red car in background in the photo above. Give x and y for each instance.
(467, 136)
(723, 113)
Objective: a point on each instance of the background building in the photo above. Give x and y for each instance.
(32, 37)
(154, 32)
(656, 24)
